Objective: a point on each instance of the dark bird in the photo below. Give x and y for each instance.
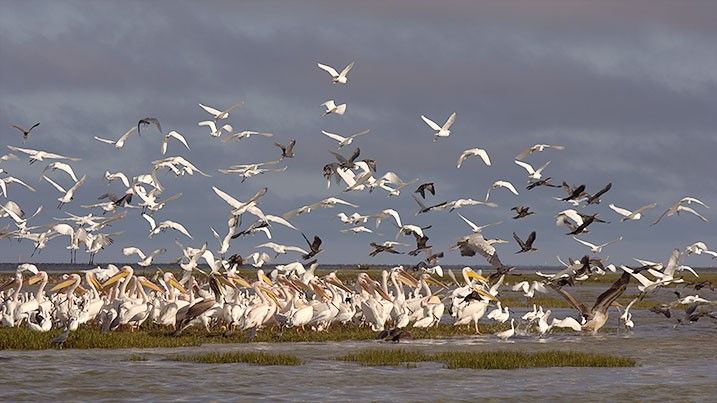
(573, 193)
(344, 162)
(596, 317)
(422, 208)
(522, 211)
(184, 318)
(235, 259)
(287, 151)
(526, 246)
(380, 248)
(426, 187)
(60, 340)
(25, 133)
(314, 246)
(587, 220)
(421, 244)
(394, 335)
(474, 243)
(149, 121)
(541, 182)
(595, 199)
(123, 201)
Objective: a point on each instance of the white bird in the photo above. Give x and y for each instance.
(626, 316)
(501, 184)
(460, 203)
(532, 173)
(217, 114)
(245, 135)
(214, 132)
(117, 176)
(631, 215)
(69, 194)
(326, 203)
(282, 249)
(331, 107)
(596, 248)
(338, 78)
(66, 168)
(146, 259)
(259, 258)
(36, 155)
(529, 289)
(680, 206)
(344, 141)
(440, 131)
(537, 148)
(11, 179)
(157, 228)
(173, 135)
(699, 248)
(357, 230)
(472, 152)
(477, 228)
(569, 322)
(506, 334)
(175, 163)
(119, 143)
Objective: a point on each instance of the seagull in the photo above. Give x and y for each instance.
(149, 121)
(338, 78)
(471, 152)
(69, 194)
(331, 107)
(287, 151)
(631, 215)
(596, 248)
(533, 174)
(173, 135)
(119, 143)
(213, 127)
(25, 132)
(156, 229)
(680, 206)
(426, 187)
(440, 131)
(217, 114)
(62, 167)
(503, 184)
(526, 246)
(146, 260)
(36, 155)
(537, 148)
(344, 141)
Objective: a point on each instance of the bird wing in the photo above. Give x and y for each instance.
(508, 186)
(525, 165)
(150, 220)
(572, 301)
(588, 244)
(296, 249)
(531, 239)
(132, 250)
(236, 105)
(334, 136)
(212, 111)
(346, 69)
(623, 212)
(210, 123)
(227, 198)
(125, 136)
(53, 183)
(176, 226)
(691, 210)
(77, 184)
(524, 153)
(279, 220)
(330, 69)
(433, 125)
(449, 122)
(104, 140)
(520, 242)
(178, 136)
(59, 157)
(474, 227)
(606, 299)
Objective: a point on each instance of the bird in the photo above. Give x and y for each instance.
(337, 78)
(314, 246)
(537, 148)
(387, 247)
(440, 131)
(157, 228)
(631, 215)
(477, 228)
(280, 249)
(573, 193)
(149, 121)
(119, 143)
(425, 209)
(596, 248)
(680, 206)
(331, 107)
(68, 194)
(217, 114)
(214, 132)
(62, 167)
(245, 134)
(426, 187)
(471, 152)
(25, 132)
(146, 260)
(526, 246)
(506, 334)
(344, 141)
(173, 135)
(61, 339)
(533, 174)
(595, 199)
(501, 184)
(521, 211)
(287, 151)
(37, 155)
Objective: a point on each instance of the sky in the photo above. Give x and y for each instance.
(630, 88)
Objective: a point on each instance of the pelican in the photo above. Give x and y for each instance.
(337, 78)
(440, 131)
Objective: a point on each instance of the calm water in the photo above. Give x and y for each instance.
(673, 364)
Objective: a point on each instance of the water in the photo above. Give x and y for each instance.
(674, 364)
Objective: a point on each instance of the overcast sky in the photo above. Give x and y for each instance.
(629, 89)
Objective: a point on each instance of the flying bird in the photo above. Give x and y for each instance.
(596, 248)
(471, 152)
(149, 121)
(537, 148)
(119, 143)
(287, 151)
(426, 187)
(501, 184)
(440, 131)
(533, 174)
(526, 246)
(631, 215)
(681, 206)
(331, 107)
(217, 114)
(25, 132)
(344, 141)
(595, 199)
(173, 135)
(337, 78)
(37, 155)
(68, 194)
(521, 211)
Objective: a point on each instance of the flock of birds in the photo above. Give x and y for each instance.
(292, 294)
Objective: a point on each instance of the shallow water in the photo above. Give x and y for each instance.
(672, 363)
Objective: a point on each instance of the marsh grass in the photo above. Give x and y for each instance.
(486, 359)
(236, 357)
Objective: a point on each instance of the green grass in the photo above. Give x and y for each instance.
(486, 359)
(235, 357)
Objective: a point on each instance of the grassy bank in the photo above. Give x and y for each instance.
(235, 357)
(487, 359)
